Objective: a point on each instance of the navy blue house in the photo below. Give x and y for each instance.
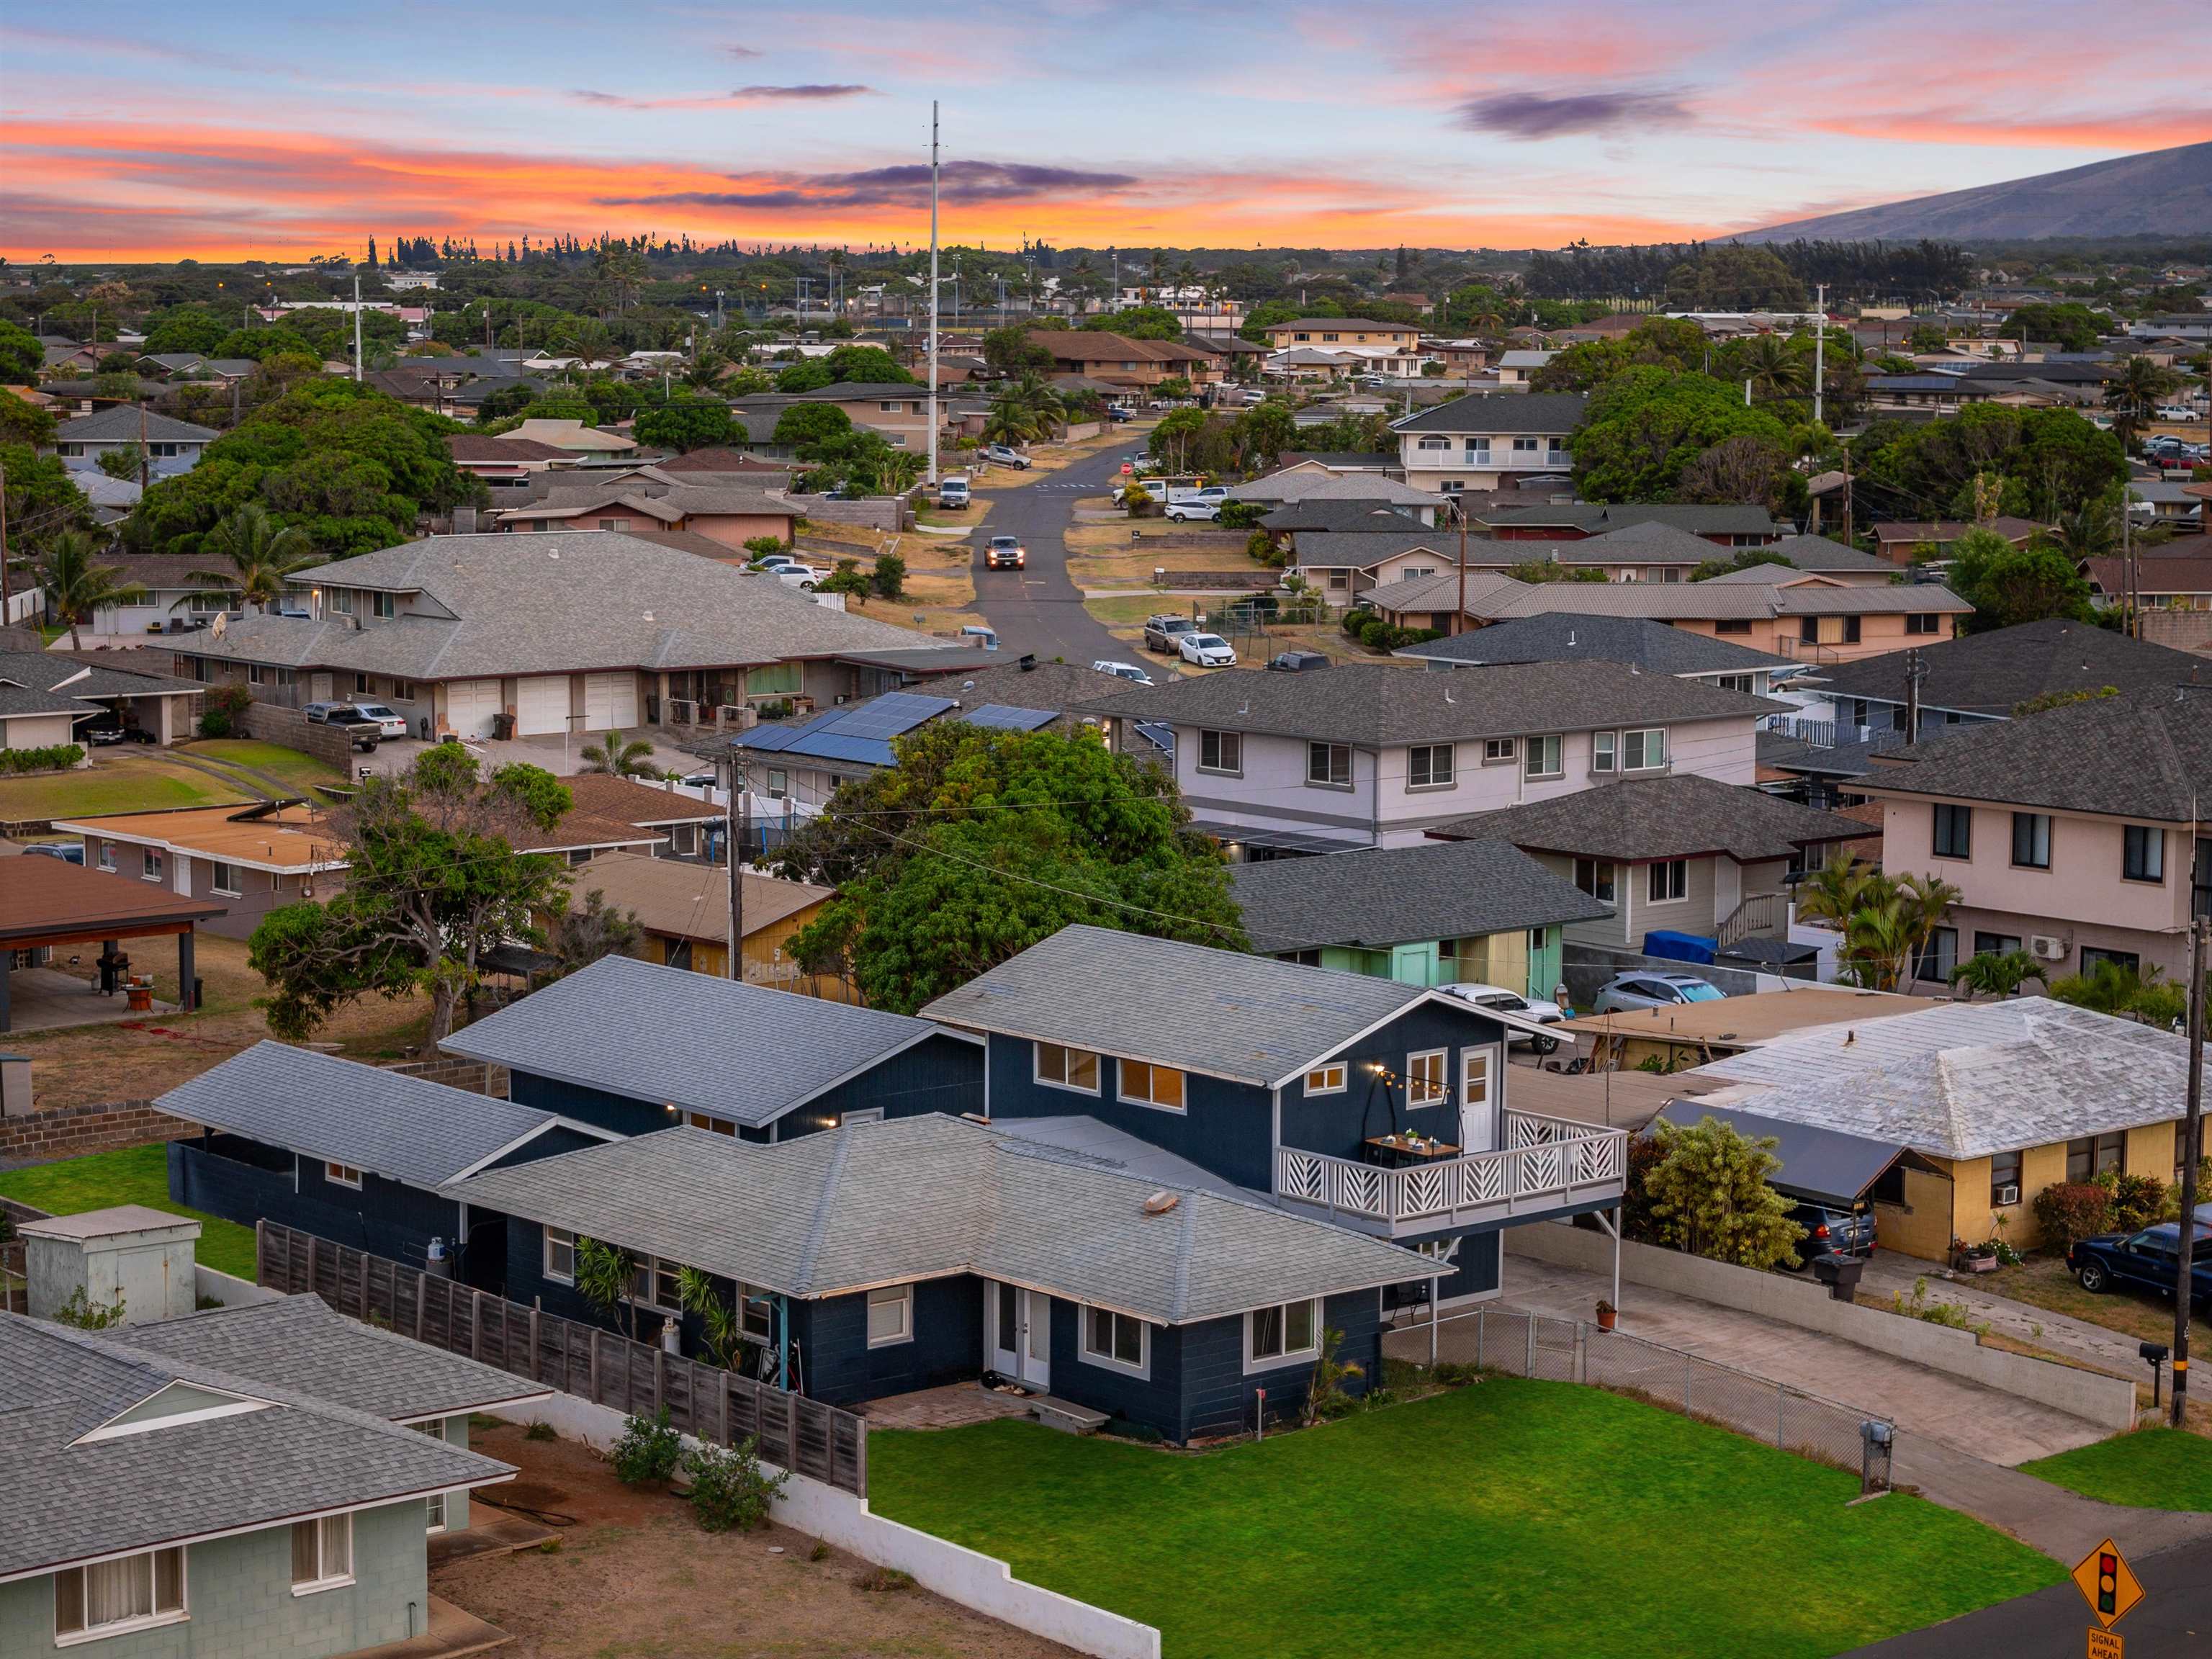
(353, 1153)
(885, 1257)
(1378, 1106)
(634, 1047)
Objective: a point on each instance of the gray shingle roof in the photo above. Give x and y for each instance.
(1377, 704)
(403, 1128)
(924, 1197)
(1729, 519)
(1819, 553)
(1541, 412)
(556, 602)
(744, 1053)
(1968, 1079)
(2144, 755)
(1702, 601)
(1651, 646)
(121, 425)
(1681, 815)
(1305, 484)
(189, 1479)
(1375, 897)
(77, 678)
(1317, 515)
(1991, 673)
(303, 1344)
(1249, 1019)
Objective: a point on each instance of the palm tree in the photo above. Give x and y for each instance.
(2090, 530)
(1009, 421)
(2134, 393)
(1774, 367)
(1035, 396)
(1999, 973)
(1886, 922)
(260, 557)
(76, 585)
(618, 758)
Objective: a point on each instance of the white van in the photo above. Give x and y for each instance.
(952, 492)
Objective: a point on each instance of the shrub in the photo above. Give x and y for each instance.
(729, 1492)
(1261, 547)
(540, 1432)
(1452, 1374)
(760, 546)
(890, 578)
(53, 757)
(648, 1451)
(2068, 1211)
(86, 1315)
(1240, 515)
(2136, 1201)
(224, 709)
(1356, 620)
(884, 1578)
(1953, 1314)
(1326, 1398)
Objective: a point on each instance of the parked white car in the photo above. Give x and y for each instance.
(1179, 511)
(800, 576)
(1005, 455)
(1124, 670)
(1543, 1012)
(1208, 651)
(389, 722)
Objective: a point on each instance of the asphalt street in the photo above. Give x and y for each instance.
(1039, 609)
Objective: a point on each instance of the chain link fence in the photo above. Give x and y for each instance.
(1572, 1351)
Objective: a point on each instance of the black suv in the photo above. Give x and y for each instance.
(1832, 1231)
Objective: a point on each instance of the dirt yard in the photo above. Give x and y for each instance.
(137, 1060)
(635, 1576)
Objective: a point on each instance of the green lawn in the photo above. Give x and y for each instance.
(295, 767)
(130, 779)
(137, 1175)
(2149, 1469)
(1508, 1518)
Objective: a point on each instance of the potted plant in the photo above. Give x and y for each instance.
(1973, 1258)
(1606, 1314)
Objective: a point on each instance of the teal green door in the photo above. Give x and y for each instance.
(1413, 964)
(1547, 960)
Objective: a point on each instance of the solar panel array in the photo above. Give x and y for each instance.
(1010, 719)
(891, 715)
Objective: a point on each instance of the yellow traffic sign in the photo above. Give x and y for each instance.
(2103, 1645)
(2107, 1585)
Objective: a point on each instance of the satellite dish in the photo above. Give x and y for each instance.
(220, 626)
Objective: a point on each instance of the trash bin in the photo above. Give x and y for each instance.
(502, 726)
(1840, 1274)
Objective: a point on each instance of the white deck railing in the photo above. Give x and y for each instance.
(1547, 1163)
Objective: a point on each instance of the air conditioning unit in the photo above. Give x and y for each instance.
(2046, 948)
(2008, 1196)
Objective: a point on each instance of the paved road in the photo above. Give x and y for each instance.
(1039, 609)
(2174, 1618)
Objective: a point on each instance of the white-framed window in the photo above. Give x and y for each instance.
(1543, 758)
(341, 601)
(1429, 766)
(108, 855)
(1329, 765)
(382, 605)
(891, 1315)
(1285, 1334)
(1117, 1341)
(559, 1263)
(1425, 1077)
(1221, 751)
(1478, 451)
(2142, 854)
(402, 692)
(433, 1507)
(1604, 751)
(756, 1313)
(342, 1174)
(1498, 751)
(1595, 878)
(254, 673)
(1668, 881)
(322, 1554)
(1327, 1079)
(149, 864)
(1644, 750)
(1524, 445)
(1061, 1067)
(225, 879)
(363, 685)
(111, 1597)
(658, 1283)
(1434, 443)
(1146, 1084)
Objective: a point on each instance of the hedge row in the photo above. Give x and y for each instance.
(54, 757)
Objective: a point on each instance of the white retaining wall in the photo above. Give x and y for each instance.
(229, 1289)
(2107, 1402)
(981, 1582)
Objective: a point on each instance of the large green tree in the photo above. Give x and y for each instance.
(433, 881)
(2046, 461)
(980, 842)
(1710, 1193)
(21, 356)
(250, 556)
(685, 423)
(1644, 427)
(2008, 586)
(805, 424)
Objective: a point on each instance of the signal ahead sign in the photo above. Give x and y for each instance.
(2107, 1585)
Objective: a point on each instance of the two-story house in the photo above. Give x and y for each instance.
(575, 632)
(1130, 365)
(1371, 755)
(2082, 835)
(1386, 347)
(1723, 523)
(1650, 647)
(171, 445)
(1382, 1107)
(1481, 442)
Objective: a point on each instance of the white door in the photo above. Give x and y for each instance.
(609, 702)
(471, 705)
(541, 705)
(1018, 1335)
(318, 688)
(1478, 1100)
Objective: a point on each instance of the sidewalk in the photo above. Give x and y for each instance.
(1890, 1274)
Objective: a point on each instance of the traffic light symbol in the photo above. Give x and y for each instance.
(2108, 1582)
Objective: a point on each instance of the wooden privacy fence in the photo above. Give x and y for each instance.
(802, 1434)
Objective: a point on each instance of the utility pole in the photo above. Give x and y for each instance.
(356, 328)
(734, 827)
(1459, 615)
(932, 294)
(1820, 344)
(7, 595)
(1916, 670)
(143, 464)
(2200, 961)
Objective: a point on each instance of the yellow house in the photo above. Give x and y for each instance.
(683, 914)
(1999, 1100)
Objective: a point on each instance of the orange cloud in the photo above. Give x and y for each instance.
(2144, 130)
(82, 190)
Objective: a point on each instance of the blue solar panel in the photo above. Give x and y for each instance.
(835, 746)
(1011, 720)
(1159, 735)
(893, 714)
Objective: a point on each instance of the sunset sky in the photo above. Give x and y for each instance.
(221, 129)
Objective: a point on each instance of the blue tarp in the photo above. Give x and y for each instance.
(1680, 947)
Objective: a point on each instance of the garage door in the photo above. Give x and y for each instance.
(470, 706)
(542, 705)
(610, 702)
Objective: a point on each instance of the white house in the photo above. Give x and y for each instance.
(1478, 441)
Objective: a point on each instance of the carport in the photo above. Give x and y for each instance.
(45, 902)
(1824, 1166)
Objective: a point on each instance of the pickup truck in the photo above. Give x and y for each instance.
(2145, 1260)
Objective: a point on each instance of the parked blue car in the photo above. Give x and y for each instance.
(2145, 1260)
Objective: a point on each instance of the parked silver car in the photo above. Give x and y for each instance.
(1625, 993)
(1512, 1002)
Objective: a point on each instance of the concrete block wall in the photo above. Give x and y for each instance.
(470, 1074)
(268, 722)
(68, 1131)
